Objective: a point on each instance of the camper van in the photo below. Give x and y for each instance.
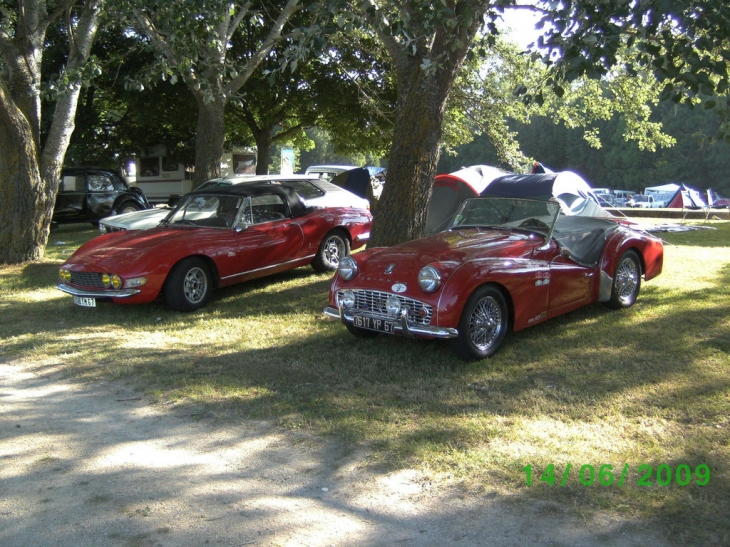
(163, 179)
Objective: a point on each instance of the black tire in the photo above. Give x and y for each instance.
(626, 281)
(128, 207)
(357, 332)
(188, 286)
(334, 247)
(483, 324)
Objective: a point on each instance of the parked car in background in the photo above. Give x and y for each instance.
(502, 263)
(605, 200)
(642, 201)
(312, 191)
(327, 172)
(215, 237)
(89, 194)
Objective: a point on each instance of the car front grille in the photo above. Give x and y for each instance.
(373, 303)
(87, 279)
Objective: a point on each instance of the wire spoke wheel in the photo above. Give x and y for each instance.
(626, 281)
(485, 323)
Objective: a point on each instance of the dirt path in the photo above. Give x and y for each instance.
(95, 464)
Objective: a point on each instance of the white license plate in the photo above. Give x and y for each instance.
(86, 302)
(371, 323)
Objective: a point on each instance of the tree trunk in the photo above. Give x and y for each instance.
(209, 139)
(21, 239)
(263, 152)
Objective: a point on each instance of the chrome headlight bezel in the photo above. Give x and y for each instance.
(429, 279)
(347, 268)
(347, 299)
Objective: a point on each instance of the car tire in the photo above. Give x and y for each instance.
(626, 281)
(334, 247)
(483, 324)
(188, 286)
(128, 207)
(357, 332)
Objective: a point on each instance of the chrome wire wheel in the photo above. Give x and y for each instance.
(485, 323)
(195, 285)
(627, 279)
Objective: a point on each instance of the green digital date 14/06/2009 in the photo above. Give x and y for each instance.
(606, 475)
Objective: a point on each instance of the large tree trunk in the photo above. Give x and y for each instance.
(21, 193)
(209, 139)
(401, 213)
(28, 175)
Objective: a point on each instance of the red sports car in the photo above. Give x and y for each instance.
(503, 262)
(213, 238)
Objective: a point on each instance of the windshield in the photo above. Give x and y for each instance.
(209, 211)
(508, 213)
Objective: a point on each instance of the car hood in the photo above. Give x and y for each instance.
(148, 218)
(136, 249)
(456, 247)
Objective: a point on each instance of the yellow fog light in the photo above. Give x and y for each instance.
(116, 281)
(64, 275)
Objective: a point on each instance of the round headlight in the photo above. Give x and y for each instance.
(347, 268)
(429, 279)
(347, 299)
(64, 275)
(106, 280)
(392, 305)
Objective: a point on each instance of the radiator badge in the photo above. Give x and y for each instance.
(399, 288)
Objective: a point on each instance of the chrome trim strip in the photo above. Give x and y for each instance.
(73, 291)
(363, 237)
(401, 325)
(268, 267)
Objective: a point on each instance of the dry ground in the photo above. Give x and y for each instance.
(95, 464)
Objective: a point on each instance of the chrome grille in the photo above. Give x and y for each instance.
(373, 303)
(87, 279)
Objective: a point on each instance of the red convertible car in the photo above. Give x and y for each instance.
(213, 238)
(503, 263)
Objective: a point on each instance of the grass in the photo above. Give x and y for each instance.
(648, 385)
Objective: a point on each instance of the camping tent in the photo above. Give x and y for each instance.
(365, 182)
(685, 198)
(450, 190)
(574, 194)
(662, 193)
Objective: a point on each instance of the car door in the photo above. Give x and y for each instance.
(269, 235)
(71, 198)
(101, 194)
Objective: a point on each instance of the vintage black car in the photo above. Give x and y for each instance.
(88, 194)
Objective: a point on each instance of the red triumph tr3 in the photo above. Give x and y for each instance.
(502, 263)
(213, 238)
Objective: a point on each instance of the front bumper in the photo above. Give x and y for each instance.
(90, 293)
(401, 325)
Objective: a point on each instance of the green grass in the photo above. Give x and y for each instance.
(647, 385)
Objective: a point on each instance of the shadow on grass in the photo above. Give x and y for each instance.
(413, 400)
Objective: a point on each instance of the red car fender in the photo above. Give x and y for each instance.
(649, 248)
(525, 283)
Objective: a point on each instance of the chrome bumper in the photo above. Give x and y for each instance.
(401, 325)
(73, 291)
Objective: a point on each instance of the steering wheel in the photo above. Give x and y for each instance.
(533, 223)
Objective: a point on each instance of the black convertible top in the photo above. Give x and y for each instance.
(286, 192)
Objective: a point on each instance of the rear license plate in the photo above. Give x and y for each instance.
(86, 302)
(371, 323)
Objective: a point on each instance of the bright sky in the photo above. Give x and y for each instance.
(522, 26)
